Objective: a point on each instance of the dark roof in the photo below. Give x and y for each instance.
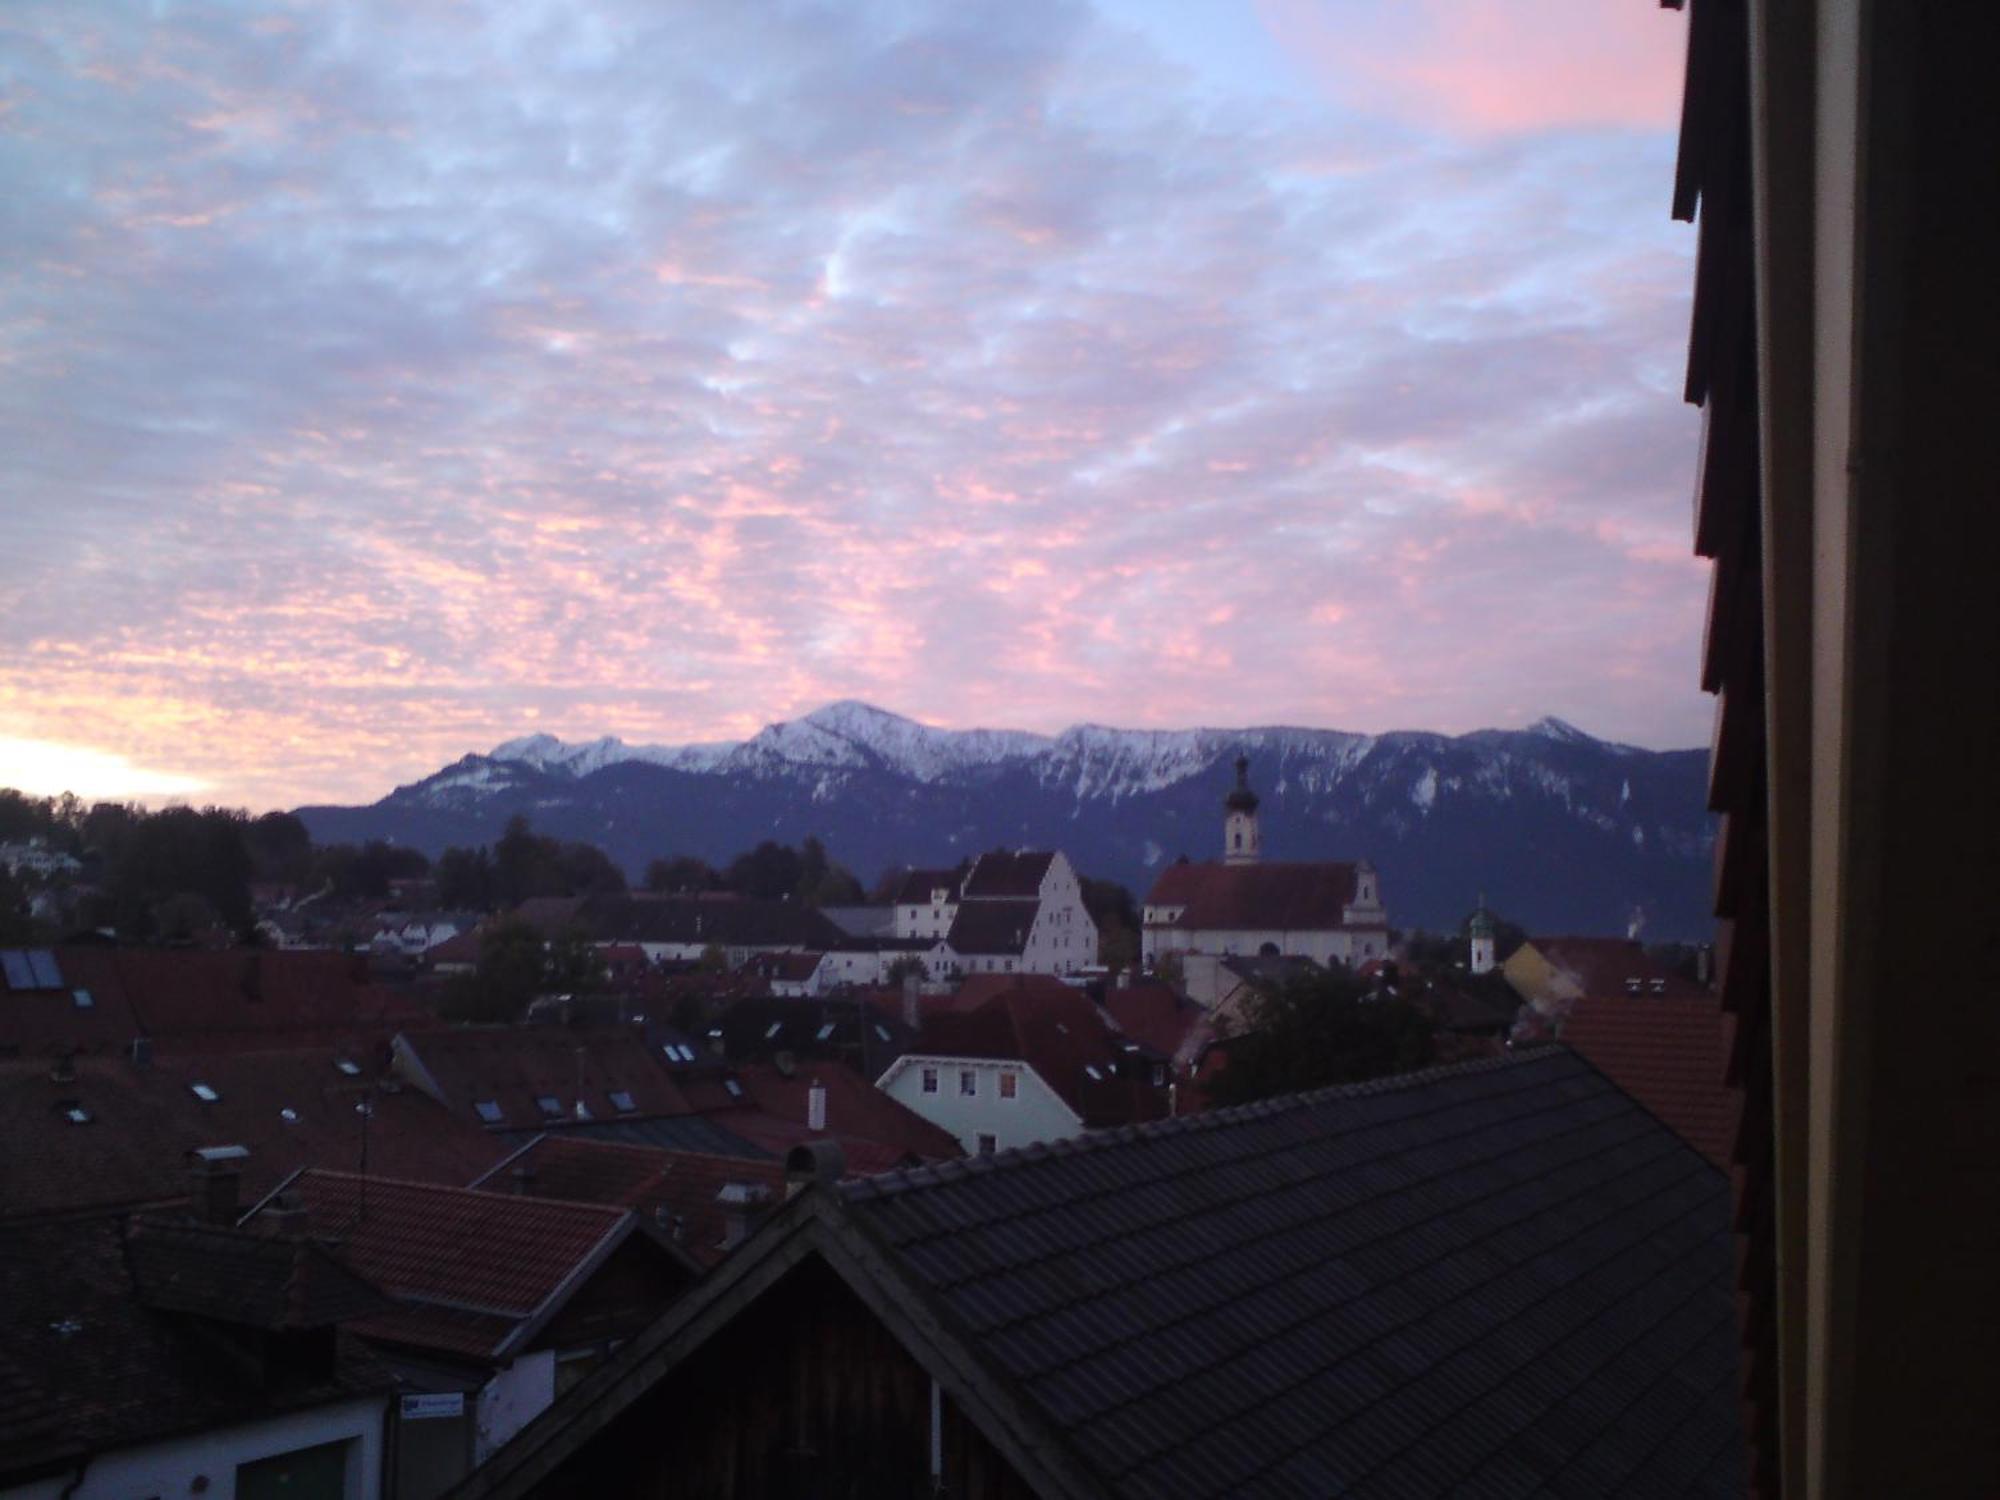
(671, 1132)
(1669, 1054)
(1281, 897)
(677, 1186)
(86, 1366)
(1062, 1034)
(729, 922)
(1612, 966)
(915, 888)
(514, 1068)
(1503, 1277)
(506, 1261)
(1155, 1015)
(236, 1276)
(875, 1132)
(290, 1109)
(995, 927)
(1004, 876)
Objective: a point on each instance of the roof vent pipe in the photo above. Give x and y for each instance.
(816, 1106)
(910, 991)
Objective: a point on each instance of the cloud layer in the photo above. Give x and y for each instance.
(381, 380)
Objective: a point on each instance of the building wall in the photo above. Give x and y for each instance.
(205, 1463)
(512, 1399)
(1035, 1113)
(1325, 946)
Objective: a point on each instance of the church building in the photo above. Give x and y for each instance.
(1242, 905)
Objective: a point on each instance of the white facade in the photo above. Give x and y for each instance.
(990, 1105)
(512, 1399)
(931, 918)
(206, 1463)
(1329, 945)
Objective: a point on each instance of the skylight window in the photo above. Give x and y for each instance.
(204, 1093)
(622, 1102)
(350, 1067)
(289, 1115)
(773, 1029)
(20, 976)
(1090, 1070)
(488, 1110)
(75, 1113)
(882, 1031)
(824, 1032)
(83, 998)
(549, 1105)
(42, 964)
(735, 1088)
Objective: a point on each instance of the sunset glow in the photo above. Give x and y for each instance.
(381, 381)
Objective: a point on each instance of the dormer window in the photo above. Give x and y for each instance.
(549, 1105)
(488, 1110)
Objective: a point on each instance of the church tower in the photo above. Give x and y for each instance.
(1239, 823)
(1481, 930)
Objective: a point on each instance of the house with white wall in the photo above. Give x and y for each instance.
(1019, 912)
(1037, 1061)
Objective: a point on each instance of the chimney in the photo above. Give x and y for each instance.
(815, 1163)
(669, 1223)
(742, 1204)
(142, 1050)
(910, 991)
(524, 1181)
(64, 1068)
(816, 1106)
(218, 1174)
(286, 1217)
(1704, 958)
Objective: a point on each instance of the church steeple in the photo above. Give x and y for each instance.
(1239, 821)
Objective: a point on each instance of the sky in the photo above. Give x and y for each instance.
(379, 381)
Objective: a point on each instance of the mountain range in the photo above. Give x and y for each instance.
(1560, 831)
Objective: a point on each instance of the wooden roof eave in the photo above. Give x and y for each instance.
(812, 1223)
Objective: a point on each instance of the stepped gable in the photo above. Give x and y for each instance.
(1671, 1054)
(1294, 897)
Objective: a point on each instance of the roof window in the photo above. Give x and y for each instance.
(773, 1029)
(203, 1092)
(488, 1110)
(882, 1031)
(824, 1032)
(289, 1115)
(83, 998)
(75, 1113)
(549, 1105)
(622, 1102)
(349, 1066)
(1090, 1069)
(735, 1088)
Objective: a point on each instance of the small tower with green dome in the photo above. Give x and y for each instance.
(1239, 821)
(1482, 930)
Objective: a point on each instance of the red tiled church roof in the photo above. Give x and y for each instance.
(1275, 896)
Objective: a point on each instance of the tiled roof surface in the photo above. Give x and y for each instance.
(1608, 966)
(996, 927)
(646, 1180)
(1670, 1055)
(874, 1130)
(672, 1133)
(1059, 1032)
(1500, 1278)
(516, 1067)
(916, 886)
(1001, 874)
(242, 999)
(731, 922)
(290, 1109)
(1265, 896)
(1154, 1015)
(84, 1365)
(495, 1254)
(237, 1276)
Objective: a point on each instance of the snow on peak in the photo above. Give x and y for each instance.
(852, 734)
(1549, 727)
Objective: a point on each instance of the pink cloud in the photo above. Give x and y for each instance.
(1487, 66)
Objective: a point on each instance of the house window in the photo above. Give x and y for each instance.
(489, 1110)
(988, 1144)
(930, 1080)
(1010, 1085)
(621, 1101)
(968, 1083)
(549, 1105)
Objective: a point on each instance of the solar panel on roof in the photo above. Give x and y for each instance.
(43, 965)
(19, 975)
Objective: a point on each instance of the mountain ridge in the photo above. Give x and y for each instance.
(1562, 830)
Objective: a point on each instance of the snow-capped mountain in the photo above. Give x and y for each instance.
(1561, 830)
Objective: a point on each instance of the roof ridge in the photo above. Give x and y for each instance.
(938, 1173)
(453, 1187)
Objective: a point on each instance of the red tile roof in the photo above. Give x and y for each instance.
(1001, 874)
(875, 1132)
(1667, 1053)
(1155, 1016)
(516, 1067)
(677, 1187)
(503, 1259)
(1274, 896)
(293, 1108)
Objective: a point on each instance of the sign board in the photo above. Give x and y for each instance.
(444, 1404)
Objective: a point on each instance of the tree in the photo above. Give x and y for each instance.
(1116, 914)
(573, 965)
(280, 848)
(1318, 1030)
(465, 879)
(682, 872)
(770, 872)
(508, 976)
